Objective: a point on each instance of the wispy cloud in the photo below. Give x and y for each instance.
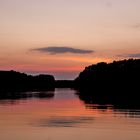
(136, 25)
(137, 55)
(59, 50)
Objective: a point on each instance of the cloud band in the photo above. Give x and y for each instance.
(59, 50)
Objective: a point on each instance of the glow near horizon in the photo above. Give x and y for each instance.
(109, 27)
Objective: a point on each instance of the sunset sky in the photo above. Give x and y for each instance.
(61, 37)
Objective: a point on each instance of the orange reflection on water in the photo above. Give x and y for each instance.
(64, 116)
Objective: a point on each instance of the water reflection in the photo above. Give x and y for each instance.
(92, 100)
(120, 108)
(132, 113)
(64, 121)
(65, 117)
(17, 97)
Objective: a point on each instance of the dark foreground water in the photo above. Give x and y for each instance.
(65, 117)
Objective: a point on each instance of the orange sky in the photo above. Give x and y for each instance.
(110, 28)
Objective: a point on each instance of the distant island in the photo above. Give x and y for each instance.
(115, 83)
(102, 83)
(119, 75)
(16, 81)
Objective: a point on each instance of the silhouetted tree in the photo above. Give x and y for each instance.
(114, 82)
(16, 81)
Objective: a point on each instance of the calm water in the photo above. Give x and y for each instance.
(64, 117)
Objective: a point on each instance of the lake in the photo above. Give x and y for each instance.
(63, 116)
